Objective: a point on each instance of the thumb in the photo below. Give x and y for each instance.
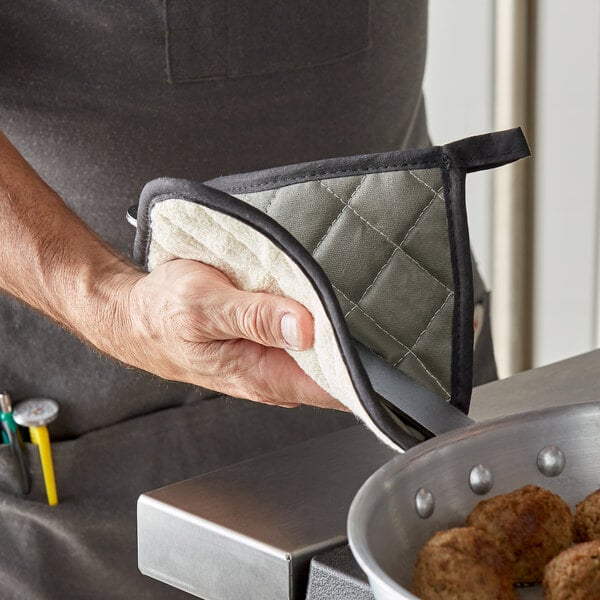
(267, 319)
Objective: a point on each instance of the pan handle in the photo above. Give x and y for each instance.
(415, 405)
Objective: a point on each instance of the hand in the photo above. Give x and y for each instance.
(186, 321)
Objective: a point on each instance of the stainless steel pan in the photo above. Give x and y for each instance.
(436, 484)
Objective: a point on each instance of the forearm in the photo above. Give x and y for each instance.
(49, 258)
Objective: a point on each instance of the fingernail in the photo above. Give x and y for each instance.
(290, 331)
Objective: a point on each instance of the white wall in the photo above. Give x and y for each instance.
(459, 96)
(566, 178)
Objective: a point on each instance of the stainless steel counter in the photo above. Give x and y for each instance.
(570, 381)
(250, 530)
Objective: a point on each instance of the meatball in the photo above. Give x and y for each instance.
(574, 574)
(532, 526)
(462, 564)
(586, 523)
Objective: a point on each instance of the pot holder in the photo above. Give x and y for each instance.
(375, 246)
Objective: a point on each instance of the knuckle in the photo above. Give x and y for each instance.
(254, 321)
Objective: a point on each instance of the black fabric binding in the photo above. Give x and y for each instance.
(462, 274)
(454, 160)
(487, 151)
(470, 154)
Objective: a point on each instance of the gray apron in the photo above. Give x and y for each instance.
(101, 97)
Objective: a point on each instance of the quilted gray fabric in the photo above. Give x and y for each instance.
(382, 239)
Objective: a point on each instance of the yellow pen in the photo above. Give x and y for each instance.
(36, 414)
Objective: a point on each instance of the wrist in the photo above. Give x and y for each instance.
(100, 313)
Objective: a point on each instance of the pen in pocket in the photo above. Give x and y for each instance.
(12, 436)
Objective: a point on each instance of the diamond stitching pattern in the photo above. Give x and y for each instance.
(408, 350)
(399, 247)
(427, 328)
(346, 205)
(429, 195)
(271, 200)
(374, 228)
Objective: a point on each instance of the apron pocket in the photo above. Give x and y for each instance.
(212, 38)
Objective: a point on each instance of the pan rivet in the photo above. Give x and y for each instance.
(424, 503)
(551, 461)
(481, 479)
